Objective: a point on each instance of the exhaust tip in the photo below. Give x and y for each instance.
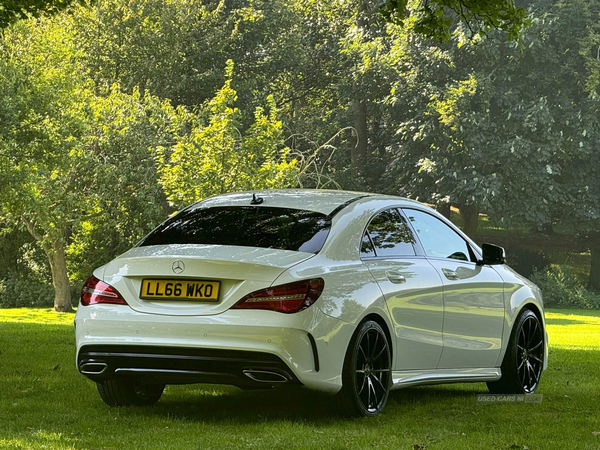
(266, 376)
(95, 368)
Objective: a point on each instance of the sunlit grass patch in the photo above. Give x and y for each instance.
(36, 315)
(574, 329)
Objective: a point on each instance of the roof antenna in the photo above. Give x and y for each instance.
(256, 200)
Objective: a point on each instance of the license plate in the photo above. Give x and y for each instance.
(194, 290)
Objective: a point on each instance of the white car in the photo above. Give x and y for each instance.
(348, 293)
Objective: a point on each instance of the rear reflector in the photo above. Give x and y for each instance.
(286, 298)
(95, 291)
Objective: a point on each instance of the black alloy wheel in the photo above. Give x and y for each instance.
(530, 347)
(524, 359)
(367, 375)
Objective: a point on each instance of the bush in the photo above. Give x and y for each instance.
(526, 262)
(21, 291)
(563, 289)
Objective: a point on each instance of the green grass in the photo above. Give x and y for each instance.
(45, 403)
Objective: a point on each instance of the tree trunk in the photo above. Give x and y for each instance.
(58, 267)
(443, 209)
(359, 107)
(594, 280)
(60, 278)
(470, 216)
(359, 151)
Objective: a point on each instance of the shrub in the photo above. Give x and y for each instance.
(21, 291)
(526, 262)
(18, 291)
(563, 289)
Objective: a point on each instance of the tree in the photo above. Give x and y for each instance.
(45, 92)
(221, 157)
(366, 47)
(512, 133)
(127, 200)
(62, 148)
(454, 127)
(173, 49)
(179, 50)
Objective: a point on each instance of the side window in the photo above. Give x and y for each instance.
(390, 235)
(366, 246)
(437, 238)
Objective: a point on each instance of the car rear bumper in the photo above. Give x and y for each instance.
(181, 365)
(234, 347)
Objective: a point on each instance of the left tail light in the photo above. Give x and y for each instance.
(286, 298)
(95, 291)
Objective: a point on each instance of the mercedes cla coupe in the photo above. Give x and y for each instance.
(346, 293)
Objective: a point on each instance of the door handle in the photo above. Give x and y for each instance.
(395, 277)
(450, 274)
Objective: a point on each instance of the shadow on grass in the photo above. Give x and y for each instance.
(573, 311)
(206, 403)
(564, 322)
(572, 376)
(203, 403)
(433, 394)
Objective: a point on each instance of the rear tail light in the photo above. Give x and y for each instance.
(286, 298)
(95, 291)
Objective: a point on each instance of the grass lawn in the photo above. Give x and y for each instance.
(46, 403)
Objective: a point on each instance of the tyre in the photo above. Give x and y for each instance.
(367, 372)
(119, 392)
(524, 359)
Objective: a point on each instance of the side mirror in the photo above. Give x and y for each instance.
(493, 254)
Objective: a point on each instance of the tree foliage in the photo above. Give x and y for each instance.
(434, 18)
(219, 157)
(13, 10)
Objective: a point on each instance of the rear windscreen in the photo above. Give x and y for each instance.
(248, 226)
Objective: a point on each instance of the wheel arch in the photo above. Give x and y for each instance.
(378, 318)
(536, 310)
(531, 303)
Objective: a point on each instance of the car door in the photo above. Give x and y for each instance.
(473, 295)
(411, 286)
